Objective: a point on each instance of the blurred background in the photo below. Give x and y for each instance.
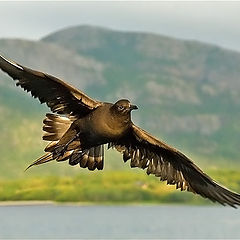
(178, 61)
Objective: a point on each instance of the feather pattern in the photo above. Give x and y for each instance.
(60, 97)
(90, 158)
(55, 126)
(170, 165)
(62, 149)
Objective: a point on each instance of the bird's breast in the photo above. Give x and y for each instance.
(106, 126)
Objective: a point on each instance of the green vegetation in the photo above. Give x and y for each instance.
(106, 187)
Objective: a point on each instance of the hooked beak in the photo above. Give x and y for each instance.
(133, 107)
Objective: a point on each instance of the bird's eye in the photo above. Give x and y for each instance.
(120, 108)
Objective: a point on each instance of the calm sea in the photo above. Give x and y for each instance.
(118, 222)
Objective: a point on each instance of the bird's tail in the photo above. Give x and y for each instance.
(92, 158)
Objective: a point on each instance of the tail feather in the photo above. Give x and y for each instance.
(43, 159)
(75, 157)
(91, 158)
(99, 157)
(84, 160)
(65, 156)
(50, 147)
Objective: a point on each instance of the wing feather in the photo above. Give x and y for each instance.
(58, 95)
(167, 163)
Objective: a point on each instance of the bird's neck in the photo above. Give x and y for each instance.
(120, 119)
(117, 122)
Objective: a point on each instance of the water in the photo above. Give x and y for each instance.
(121, 222)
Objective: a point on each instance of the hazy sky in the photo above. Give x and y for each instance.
(213, 22)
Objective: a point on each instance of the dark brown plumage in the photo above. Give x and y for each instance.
(80, 126)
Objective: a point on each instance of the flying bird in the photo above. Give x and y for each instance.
(79, 126)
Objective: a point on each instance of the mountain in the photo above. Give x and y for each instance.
(188, 93)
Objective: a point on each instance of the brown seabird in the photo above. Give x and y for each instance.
(79, 127)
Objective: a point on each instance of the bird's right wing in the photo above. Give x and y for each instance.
(161, 160)
(58, 95)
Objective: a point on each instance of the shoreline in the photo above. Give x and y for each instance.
(53, 203)
(48, 203)
(26, 203)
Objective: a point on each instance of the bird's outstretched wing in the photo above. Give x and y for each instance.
(161, 160)
(58, 95)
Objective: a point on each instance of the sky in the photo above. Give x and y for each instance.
(212, 22)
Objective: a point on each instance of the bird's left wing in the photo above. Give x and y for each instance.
(58, 95)
(161, 160)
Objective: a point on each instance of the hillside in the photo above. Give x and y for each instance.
(187, 92)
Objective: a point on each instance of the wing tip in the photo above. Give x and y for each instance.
(11, 62)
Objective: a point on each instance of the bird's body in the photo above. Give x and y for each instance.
(106, 125)
(91, 131)
(79, 127)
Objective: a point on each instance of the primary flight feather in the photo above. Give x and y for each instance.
(79, 127)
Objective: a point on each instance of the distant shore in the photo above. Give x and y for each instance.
(53, 203)
(40, 203)
(26, 203)
(34, 203)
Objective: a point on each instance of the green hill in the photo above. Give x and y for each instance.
(187, 92)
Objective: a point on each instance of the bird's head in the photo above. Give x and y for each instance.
(124, 107)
